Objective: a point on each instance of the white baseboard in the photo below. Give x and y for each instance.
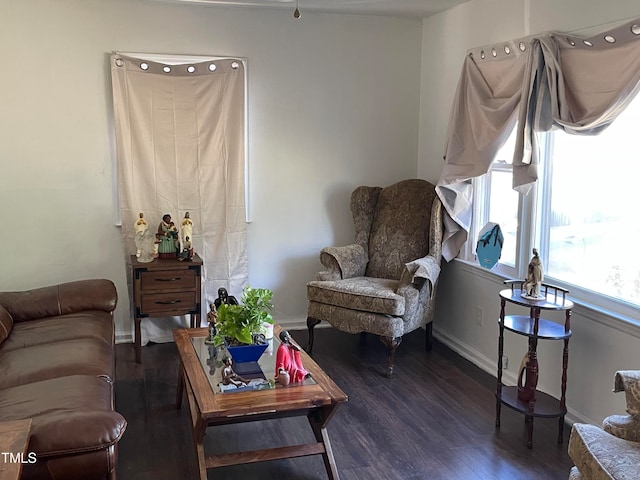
(491, 367)
(475, 357)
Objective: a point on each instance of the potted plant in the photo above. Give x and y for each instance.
(240, 325)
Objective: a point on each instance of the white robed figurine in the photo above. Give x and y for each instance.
(186, 230)
(144, 240)
(531, 288)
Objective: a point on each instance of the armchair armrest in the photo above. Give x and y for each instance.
(60, 299)
(418, 287)
(626, 427)
(423, 269)
(343, 262)
(628, 381)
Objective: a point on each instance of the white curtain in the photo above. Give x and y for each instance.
(180, 148)
(542, 82)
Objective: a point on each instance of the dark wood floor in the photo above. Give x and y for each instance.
(434, 420)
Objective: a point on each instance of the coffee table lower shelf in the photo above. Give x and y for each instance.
(322, 447)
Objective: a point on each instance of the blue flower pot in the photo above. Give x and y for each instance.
(247, 353)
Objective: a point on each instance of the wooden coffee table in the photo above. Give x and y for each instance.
(317, 399)
(14, 438)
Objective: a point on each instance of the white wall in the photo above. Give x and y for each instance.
(600, 344)
(333, 103)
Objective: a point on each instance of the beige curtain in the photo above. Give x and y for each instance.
(180, 148)
(547, 81)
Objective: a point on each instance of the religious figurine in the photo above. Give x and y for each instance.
(143, 239)
(212, 320)
(213, 361)
(168, 237)
(224, 297)
(187, 251)
(531, 287)
(186, 231)
(288, 360)
(140, 227)
(229, 377)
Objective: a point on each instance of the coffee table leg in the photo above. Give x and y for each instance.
(180, 388)
(319, 420)
(198, 429)
(138, 341)
(202, 468)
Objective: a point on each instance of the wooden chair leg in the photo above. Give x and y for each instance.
(392, 345)
(311, 323)
(428, 345)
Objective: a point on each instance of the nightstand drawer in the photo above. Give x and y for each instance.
(168, 303)
(167, 280)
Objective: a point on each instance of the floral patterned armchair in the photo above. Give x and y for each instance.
(613, 451)
(384, 283)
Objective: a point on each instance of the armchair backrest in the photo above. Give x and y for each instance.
(392, 224)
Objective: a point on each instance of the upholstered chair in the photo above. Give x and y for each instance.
(613, 451)
(385, 282)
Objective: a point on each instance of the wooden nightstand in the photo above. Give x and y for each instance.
(165, 288)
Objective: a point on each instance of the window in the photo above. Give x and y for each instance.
(581, 214)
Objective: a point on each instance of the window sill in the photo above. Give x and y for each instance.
(589, 310)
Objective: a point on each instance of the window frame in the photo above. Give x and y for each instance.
(534, 231)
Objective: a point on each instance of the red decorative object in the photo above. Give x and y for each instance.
(528, 370)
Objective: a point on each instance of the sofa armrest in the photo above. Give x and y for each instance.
(343, 262)
(60, 299)
(92, 430)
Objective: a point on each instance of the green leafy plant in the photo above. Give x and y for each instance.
(242, 324)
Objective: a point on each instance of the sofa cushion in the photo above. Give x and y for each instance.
(87, 356)
(69, 414)
(6, 324)
(601, 456)
(367, 294)
(353, 321)
(90, 324)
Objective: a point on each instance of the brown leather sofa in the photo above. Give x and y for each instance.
(57, 365)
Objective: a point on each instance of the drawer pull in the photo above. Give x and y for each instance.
(170, 302)
(174, 279)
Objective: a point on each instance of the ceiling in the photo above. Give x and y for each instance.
(396, 8)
